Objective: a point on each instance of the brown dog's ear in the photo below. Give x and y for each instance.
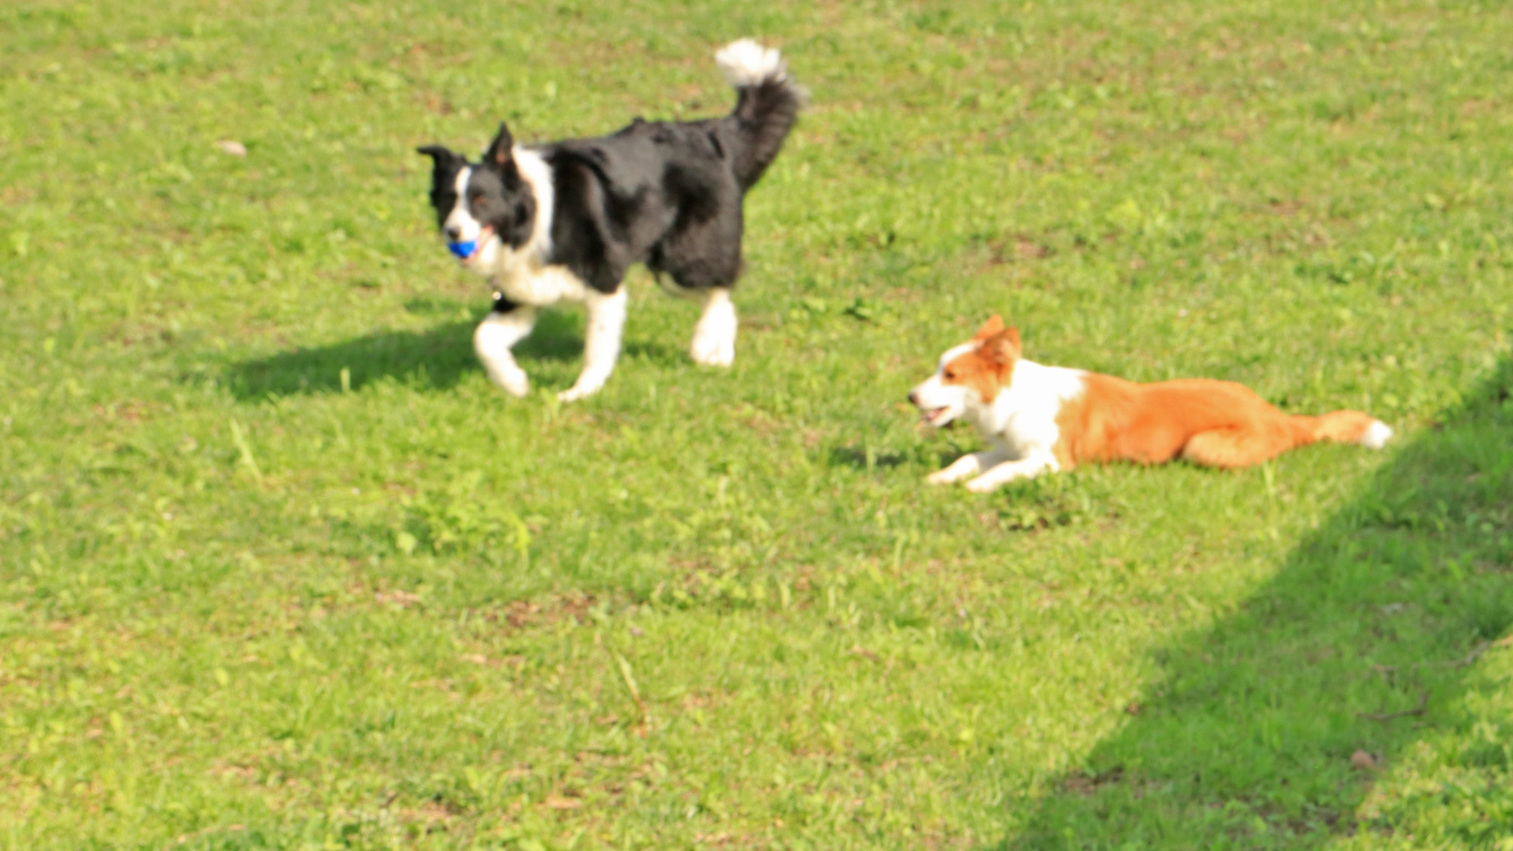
(989, 328)
(1002, 349)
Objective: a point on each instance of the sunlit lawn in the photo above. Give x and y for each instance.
(279, 568)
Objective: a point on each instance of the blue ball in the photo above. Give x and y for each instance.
(463, 250)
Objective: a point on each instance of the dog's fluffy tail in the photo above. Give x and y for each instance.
(768, 102)
(1342, 427)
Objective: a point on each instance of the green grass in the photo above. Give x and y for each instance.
(279, 568)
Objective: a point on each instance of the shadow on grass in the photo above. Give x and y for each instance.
(863, 458)
(1359, 643)
(436, 358)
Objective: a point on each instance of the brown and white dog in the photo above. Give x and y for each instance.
(1047, 418)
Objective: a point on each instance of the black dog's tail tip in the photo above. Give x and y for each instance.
(768, 104)
(746, 63)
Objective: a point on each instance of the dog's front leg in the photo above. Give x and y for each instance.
(601, 342)
(967, 465)
(1028, 467)
(496, 335)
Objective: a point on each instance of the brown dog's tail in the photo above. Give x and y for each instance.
(1341, 427)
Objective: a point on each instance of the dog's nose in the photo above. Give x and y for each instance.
(913, 398)
(454, 232)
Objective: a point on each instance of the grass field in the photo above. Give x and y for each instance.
(280, 569)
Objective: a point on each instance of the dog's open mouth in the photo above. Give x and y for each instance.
(935, 416)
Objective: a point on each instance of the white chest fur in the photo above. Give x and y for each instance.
(1023, 417)
(538, 285)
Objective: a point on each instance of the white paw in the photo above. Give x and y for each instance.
(579, 391)
(714, 335)
(982, 484)
(941, 477)
(515, 382)
(712, 350)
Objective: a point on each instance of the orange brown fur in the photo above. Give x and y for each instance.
(989, 366)
(1208, 422)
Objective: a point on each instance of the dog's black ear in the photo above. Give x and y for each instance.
(501, 157)
(440, 153)
(498, 155)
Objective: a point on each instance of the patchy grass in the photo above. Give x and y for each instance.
(278, 567)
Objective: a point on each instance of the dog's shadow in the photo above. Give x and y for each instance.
(864, 458)
(436, 358)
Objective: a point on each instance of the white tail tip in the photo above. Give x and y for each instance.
(746, 63)
(1376, 436)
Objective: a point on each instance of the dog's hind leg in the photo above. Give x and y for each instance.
(1238, 446)
(496, 335)
(702, 253)
(601, 342)
(714, 336)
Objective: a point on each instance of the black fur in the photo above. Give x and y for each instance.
(444, 168)
(502, 304)
(661, 193)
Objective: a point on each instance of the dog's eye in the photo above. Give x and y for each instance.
(949, 375)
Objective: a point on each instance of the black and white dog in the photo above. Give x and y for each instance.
(562, 222)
